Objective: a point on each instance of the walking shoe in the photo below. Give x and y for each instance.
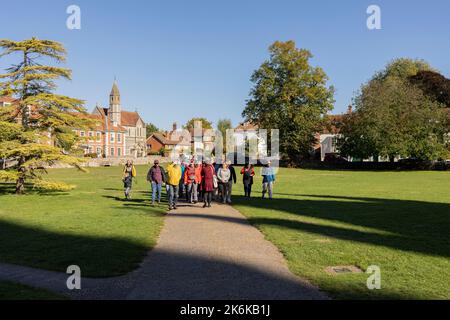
(205, 205)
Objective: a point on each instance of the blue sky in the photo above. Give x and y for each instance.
(178, 59)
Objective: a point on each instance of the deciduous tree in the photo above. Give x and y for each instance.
(290, 95)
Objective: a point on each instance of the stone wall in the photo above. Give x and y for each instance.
(100, 162)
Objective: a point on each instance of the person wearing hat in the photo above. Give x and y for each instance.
(156, 176)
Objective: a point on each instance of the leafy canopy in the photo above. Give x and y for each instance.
(394, 118)
(290, 95)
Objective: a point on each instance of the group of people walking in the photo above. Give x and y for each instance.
(198, 181)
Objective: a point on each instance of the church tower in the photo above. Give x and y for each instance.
(114, 105)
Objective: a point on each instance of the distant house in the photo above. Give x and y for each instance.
(327, 138)
(158, 142)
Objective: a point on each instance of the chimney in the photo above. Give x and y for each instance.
(349, 109)
(174, 126)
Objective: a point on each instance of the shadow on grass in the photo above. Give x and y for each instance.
(96, 256)
(167, 274)
(416, 226)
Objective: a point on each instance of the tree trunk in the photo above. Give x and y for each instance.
(20, 186)
(20, 182)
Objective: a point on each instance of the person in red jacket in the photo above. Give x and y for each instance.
(247, 178)
(189, 182)
(208, 184)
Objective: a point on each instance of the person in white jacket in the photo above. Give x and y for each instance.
(224, 175)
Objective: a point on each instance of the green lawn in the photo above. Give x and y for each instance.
(399, 221)
(90, 226)
(13, 291)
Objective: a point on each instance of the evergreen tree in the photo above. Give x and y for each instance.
(36, 129)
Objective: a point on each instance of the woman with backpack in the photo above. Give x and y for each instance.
(129, 172)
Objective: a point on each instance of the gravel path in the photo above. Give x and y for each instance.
(211, 253)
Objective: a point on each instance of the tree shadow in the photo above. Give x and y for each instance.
(408, 225)
(163, 274)
(96, 256)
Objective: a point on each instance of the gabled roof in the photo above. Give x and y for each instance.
(247, 126)
(103, 122)
(129, 118)
(165, 141)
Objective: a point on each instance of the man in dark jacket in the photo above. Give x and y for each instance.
(231, 181)
(156, 176)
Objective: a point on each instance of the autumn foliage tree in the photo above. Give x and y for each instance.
(36, 129)
(290, 95)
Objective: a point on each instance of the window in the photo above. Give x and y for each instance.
(91, 135)
(99, 136)
(90, 149)
(112, 152)
(119, 137)
(119, 152)
(112, 136)
(99, 150)
(81, 133)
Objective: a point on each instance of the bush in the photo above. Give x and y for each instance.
(91, 155)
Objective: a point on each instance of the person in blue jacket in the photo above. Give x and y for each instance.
(268, 175)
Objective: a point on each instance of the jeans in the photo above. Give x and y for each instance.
(267, 187)
(224, 192)
(173, 195)
(247, 189)
(230, 189)
(156, 188)
(207, 197)
(192, 192)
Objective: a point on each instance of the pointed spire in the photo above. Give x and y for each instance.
(115, 89)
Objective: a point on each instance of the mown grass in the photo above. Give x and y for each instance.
(91, 226)
(399, 221)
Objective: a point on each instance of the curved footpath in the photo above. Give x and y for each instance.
(211, 253)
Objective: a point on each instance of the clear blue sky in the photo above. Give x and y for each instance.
(178, 59)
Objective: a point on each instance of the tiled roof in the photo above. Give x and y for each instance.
(101, 124)
(129, 118)
(247, 126)
(165, 140)
(333, 123)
